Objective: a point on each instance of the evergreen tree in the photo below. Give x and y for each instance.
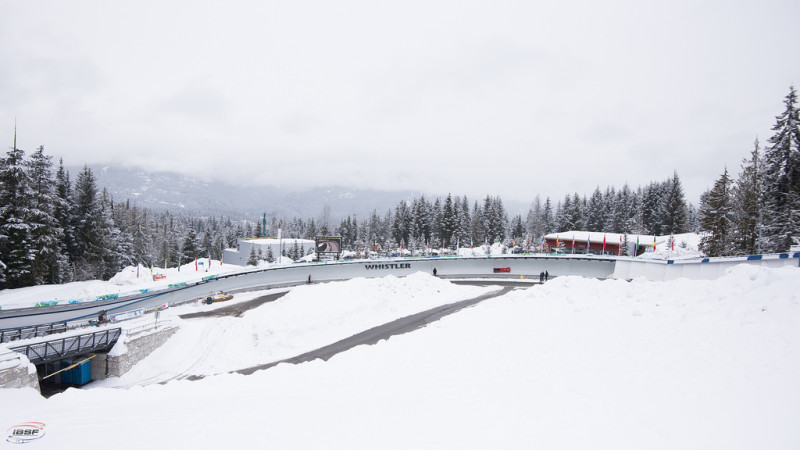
(782, 179)
(189, 252)
(252, 260)
(217, 248)
(448, 222)
(716, 212)
(548, 225)
(673, 218)
(748, 193)
(47, 237)
(88, 238)
(595, 215)
(116, 246)
(270, 256)
(16, 250)
(62, 211)
(476, 226)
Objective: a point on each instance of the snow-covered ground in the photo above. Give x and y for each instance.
(307, 318)
(574, 364)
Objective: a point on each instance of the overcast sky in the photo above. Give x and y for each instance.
(469, 97)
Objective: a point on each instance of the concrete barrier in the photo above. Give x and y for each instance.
(133, 348)
(17, 372)
(696, 269)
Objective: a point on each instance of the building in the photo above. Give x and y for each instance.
(240, 256)
(595, 243)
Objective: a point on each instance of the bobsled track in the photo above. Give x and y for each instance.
(508, 267)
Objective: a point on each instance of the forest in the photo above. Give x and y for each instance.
(54, 230)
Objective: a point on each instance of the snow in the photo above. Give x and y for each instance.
(125, 282)
(686, 247)
(307, 318)
(573, 364)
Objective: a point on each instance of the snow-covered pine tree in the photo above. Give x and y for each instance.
(436, 223)
(650, 208)
(402, 223)
(672, 207)
(189, 249)
(205, 248)
(270, 256)
(517, 230)
(548, 225)
(563, 218)
(88, 260)
(252, 260)
(595, 213)
(533, 221)
(465, 225)
(476, 227)
(610, 210)
(16, 251)
(782, 179)
(117, 246)
(218, 247)
(748, 192)
(716, 211)
(448, 223)
(47, 237)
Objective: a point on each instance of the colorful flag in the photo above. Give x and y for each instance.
(604, 243)
(588, 243)
(636, 253)
(654, 243)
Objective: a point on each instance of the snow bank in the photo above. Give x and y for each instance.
(127, 281)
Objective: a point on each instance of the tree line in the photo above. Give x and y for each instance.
(55, 231)
(759, 211)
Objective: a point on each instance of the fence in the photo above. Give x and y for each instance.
(69, 346)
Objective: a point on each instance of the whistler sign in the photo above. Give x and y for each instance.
(388, 266)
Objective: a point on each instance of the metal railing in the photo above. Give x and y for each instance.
(69, 346)
(15, 334)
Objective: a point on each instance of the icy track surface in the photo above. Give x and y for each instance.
(574, 364)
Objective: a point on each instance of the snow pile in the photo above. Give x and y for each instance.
(686, 247)
(573, 364)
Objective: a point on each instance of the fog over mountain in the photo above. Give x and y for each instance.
(210, 197)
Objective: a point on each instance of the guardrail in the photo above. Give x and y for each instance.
(15, 334)
(156, 325)
(56, 349)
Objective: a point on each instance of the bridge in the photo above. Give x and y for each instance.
(66, 347)
(508, 266)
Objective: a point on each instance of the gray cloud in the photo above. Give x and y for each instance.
(509, 98)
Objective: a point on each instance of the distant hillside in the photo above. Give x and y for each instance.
(174, 192)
